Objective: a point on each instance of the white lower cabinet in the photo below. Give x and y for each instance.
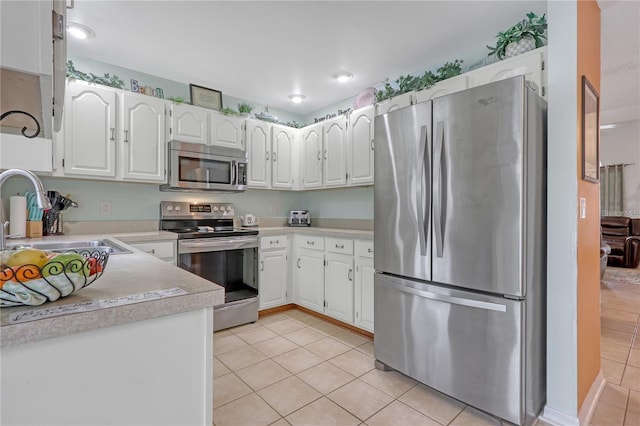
(163, 250)
(272, 273)
(363, 292)
(334, 276)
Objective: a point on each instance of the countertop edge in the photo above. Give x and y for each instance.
(330, 232)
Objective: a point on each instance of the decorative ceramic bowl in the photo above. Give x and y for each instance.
(63, 274)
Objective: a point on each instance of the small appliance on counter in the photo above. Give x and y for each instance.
(299, 218)
(249, 220)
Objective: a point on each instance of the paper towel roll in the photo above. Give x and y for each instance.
(18, 215)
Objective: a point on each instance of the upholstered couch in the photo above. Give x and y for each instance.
(622, 234)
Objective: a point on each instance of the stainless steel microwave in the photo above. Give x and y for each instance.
(196, 167)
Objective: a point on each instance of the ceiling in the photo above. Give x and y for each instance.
(264, 51)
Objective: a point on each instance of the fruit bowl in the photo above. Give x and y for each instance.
(32, 277)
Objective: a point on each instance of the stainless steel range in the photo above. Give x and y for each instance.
(210, 247)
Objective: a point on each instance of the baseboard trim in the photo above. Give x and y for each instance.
(558, 418)
(339, 323)
(591, 400)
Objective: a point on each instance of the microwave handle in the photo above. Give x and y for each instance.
(234, 172)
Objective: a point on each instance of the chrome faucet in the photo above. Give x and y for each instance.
(42, 199)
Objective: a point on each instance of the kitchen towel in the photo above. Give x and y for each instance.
(18, 215)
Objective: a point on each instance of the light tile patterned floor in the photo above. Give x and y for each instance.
(619, 404)
(294, 368)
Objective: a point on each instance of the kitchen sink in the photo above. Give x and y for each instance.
(90, 245)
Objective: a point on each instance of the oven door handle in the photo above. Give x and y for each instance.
(216, 244)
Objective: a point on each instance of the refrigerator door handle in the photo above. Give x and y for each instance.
(437, 188)
(424, 134)
(447, 299)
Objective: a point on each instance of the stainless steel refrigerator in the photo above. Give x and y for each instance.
(459, 232)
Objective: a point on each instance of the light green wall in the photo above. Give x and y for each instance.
(137, 201)
(170, 88)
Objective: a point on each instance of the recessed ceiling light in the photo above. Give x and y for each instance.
(343, 76)
(80, 31)
(296, 98)
(608, 126)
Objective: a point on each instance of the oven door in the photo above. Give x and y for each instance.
(230, 262)
(201, 171)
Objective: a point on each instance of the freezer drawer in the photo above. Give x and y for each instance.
(466, 345)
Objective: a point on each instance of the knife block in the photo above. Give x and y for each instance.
(34, 228)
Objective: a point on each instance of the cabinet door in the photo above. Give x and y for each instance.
(258, 137)
(364, 293)
(528, 64)
(361, 146)
(164, 250)
(441, 88)
(188, 124)
(25, 36)
(396, 102)
(90, 130)
(226, 131)
(311, 167)
(310, 279)
(282, 156)
(143, 138)
(272, 279)
(339, 287)
(335, 152)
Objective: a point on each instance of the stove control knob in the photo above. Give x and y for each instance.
(177, 208)
(215, 208)
(228, 208)
(169, 208)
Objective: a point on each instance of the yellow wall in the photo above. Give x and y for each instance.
(588, 321)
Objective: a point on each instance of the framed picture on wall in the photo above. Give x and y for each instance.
(206, 98)
(590, 132)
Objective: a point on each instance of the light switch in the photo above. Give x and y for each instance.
(583, 208)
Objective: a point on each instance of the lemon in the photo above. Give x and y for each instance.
(28, 256)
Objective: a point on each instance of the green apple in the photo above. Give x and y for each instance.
(67, 262)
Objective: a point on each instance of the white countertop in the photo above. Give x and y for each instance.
(125, 275)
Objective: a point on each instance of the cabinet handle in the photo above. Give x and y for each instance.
(310, 242)
(262, 265)
(273, 156)
(369, 250)
(319, 155)
(325, 154)
(126, 136)
(298, 263)
(350, 274)
(340, 246)
(274, 242)
(152, 251)
(113, 134)
(371, 144)
(266, 155)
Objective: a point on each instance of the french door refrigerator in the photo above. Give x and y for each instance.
(459, 232)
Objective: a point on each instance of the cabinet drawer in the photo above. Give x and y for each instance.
(273, 242)
(160, 249)
(340, 245)
(364, 248)
(311, 242)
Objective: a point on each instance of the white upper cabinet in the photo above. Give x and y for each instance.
(282, 156)
(311, 157)
(258, 140)
(334, 153)
(529, 64)
(444, 87)
(143, 145)
(360, 155)
(396, 102)
(188, 124)
(226, 131)
(25, 42)
(90, 130)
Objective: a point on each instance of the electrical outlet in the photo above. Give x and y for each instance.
(274, 208)
(105, 208)
(583, 208)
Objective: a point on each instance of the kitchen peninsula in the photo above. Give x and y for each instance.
(130, 363)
